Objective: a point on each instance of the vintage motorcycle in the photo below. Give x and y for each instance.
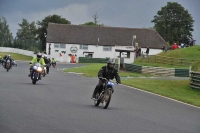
(104, 95)
(37, 72)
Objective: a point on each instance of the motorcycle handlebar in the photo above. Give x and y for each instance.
(108, 80)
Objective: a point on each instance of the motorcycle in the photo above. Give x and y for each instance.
(53, 64)
(36, 72)
(8, 65)
(3, 62)
(44, 71)
(104, 95)
(14, 63)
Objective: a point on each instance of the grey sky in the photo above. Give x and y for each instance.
(115, 13)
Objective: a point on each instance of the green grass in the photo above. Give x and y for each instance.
(176, 89)
(189, 53)
(91, 70)
(16, 56)
(196, 66)
(165, 59)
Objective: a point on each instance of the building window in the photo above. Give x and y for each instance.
(59, 45)
(56, 45)
(62, 45)
(85, 47)
(107, 48)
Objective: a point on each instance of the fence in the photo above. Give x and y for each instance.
(18, 51)
(168, 60)
(157, 70)
(195, 80)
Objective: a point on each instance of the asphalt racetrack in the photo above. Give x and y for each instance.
(61, 103)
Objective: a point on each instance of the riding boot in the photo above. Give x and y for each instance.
(95, 91)
(30, 72)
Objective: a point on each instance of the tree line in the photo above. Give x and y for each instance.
(173, 22)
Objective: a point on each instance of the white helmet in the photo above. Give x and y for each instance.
(45, 56)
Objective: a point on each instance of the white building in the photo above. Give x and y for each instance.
(64, 40)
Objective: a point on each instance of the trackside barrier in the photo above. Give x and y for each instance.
(195, 80)
(158, 70)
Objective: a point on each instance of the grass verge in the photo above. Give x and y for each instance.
(16, 56)
(91, 70)
(176, 89)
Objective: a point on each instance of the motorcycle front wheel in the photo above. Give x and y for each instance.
(107, 98)
(35, 78)
(97, 102)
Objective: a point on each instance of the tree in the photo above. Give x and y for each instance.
(95, 16)
(92, 24)
(173, 23)
(6, 37)
(26, 35)
(27, 30)
(95, 23)
(42, 30)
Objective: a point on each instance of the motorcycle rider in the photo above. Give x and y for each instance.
(53, 61)
(108, 72)
(6, 59)
(37, 59)
(47, 62)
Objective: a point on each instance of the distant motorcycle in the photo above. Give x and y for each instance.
(44, 71)
(8, 65)
(14, 63)
(104, 95)
(37, 72)
(3, 62)
(53, 64)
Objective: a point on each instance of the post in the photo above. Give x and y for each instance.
(134, 37)
(25, 44)
(41, 47)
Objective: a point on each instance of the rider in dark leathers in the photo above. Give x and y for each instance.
(6, 59)
(108, 72)
(47, 62)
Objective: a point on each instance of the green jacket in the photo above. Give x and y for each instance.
(34, 60)
(53, 60)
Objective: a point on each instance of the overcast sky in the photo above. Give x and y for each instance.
(115, 13)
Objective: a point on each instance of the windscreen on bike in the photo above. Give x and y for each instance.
(37, 64)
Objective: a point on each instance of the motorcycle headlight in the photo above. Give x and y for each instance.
(34, 67)
(39, 69)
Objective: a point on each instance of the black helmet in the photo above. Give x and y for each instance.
(111, 63)
(39, 55)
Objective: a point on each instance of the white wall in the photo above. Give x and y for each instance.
(98, 52)
(152, 51)
(18, 51)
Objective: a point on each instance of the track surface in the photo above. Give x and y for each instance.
(60, 103)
